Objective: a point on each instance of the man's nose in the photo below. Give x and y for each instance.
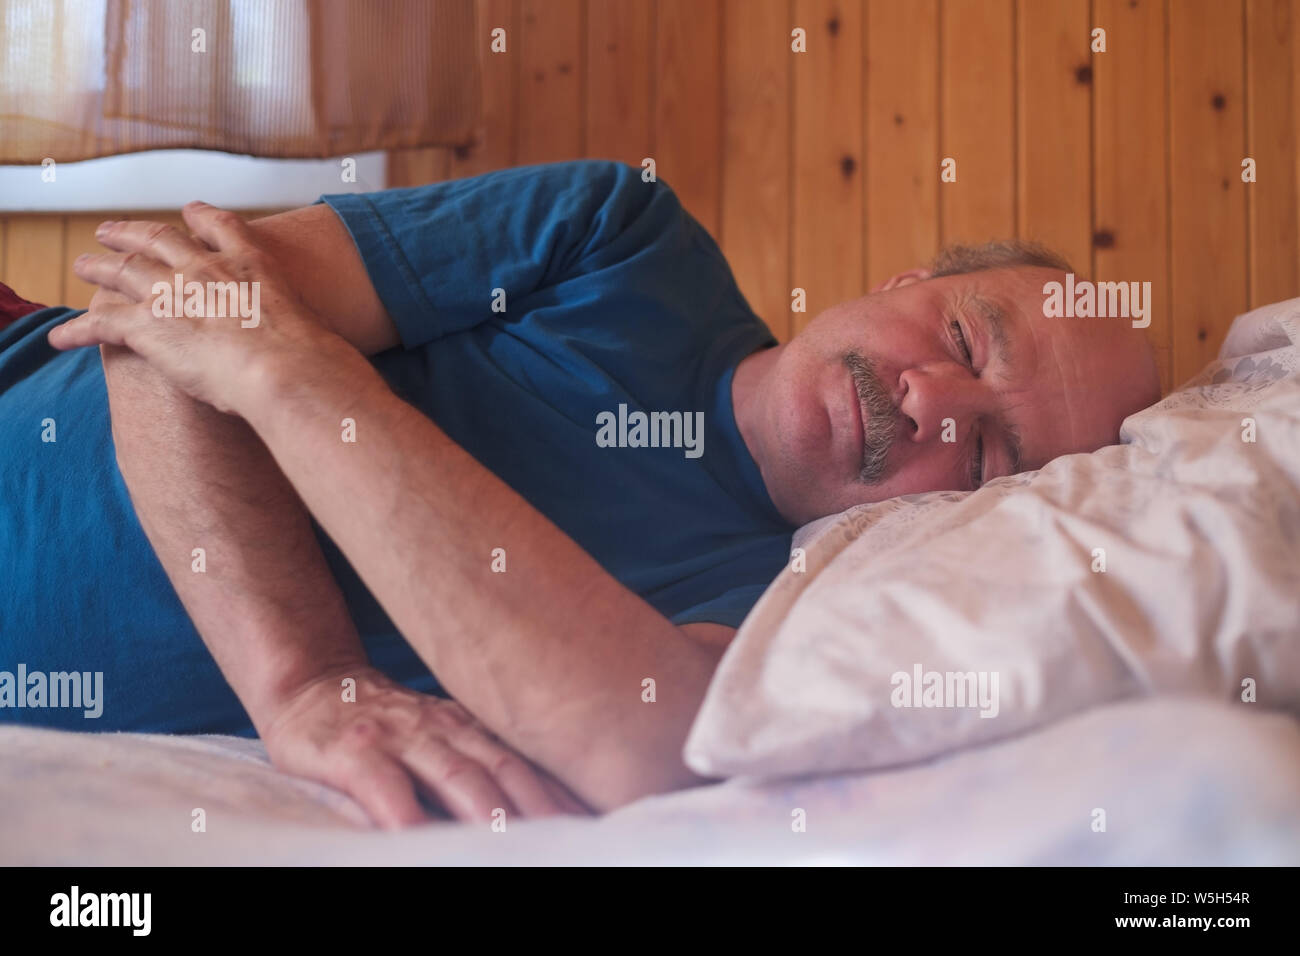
(930, 396)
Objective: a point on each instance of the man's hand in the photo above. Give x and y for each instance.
(391, 741)
(213, 359)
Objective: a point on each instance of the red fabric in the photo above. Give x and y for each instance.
(13, 306)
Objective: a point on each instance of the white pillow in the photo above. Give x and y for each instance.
(1200, 531)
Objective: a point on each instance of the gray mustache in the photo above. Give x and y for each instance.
(882, 421)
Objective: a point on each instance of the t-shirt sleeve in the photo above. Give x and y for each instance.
(436, 253)
(729, 608)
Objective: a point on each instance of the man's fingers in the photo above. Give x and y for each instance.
(165, 243)
(381, 785)
(459, 782)
(521, 782)
(569, 804)
(131, 274)
(103, 326)
(219, 228)
(105, 297)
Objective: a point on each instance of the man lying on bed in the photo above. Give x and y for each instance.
(511, 529)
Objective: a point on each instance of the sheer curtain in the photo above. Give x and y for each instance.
(283, 78)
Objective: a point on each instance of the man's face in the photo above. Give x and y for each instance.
(941, 384)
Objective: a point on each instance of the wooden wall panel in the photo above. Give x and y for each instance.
(1054, 127)
(687, 144)
(35, 263)
(495, 146)
(620, 57)
(756, 155)
(551, 56)
(977, 119)
(828, 139)
(1131, 154)
(1208, 203)
(1271, 105)
(415, 167)
(902, 151)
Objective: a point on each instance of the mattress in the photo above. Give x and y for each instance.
(1179, 781)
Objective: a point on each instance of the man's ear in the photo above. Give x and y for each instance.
(902, 279)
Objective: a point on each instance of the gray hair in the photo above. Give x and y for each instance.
(958, 259)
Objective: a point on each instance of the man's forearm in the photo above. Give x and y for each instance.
(551, 654)
(265, 602)
(316, 257)
(266, 606)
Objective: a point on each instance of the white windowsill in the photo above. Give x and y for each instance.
(167, 179)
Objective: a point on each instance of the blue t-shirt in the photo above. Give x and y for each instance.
(557, 321)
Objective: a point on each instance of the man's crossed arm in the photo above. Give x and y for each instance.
(550, 657)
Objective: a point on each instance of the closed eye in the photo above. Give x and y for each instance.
(962, 343)
(977, 460)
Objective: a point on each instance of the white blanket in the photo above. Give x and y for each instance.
(1180, 781)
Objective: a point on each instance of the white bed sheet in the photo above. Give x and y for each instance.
(1182, 781)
